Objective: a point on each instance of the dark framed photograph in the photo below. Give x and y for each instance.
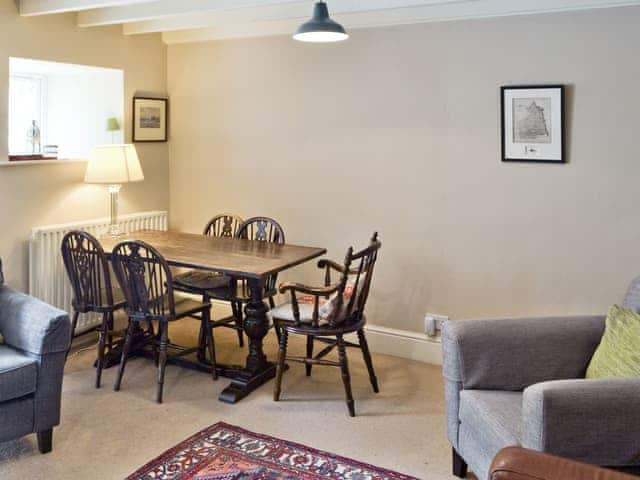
(150, 119)
(533, 123)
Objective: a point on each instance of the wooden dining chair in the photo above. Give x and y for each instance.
(237, 292)
(146, 280)
(326, 314)
(90, 277)
(199, 282)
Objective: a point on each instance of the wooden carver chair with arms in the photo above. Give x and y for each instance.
(326, 314)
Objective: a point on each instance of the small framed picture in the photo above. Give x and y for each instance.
(150, 119)
(533, 123)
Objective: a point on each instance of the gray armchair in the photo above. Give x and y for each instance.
(32, 356)
(520, 382)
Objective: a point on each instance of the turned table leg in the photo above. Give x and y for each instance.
(257, 370)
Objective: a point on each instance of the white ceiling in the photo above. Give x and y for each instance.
(182, 21)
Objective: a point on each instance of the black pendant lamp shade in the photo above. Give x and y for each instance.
(320, 28)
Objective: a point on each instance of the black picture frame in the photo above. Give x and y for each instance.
(561, 148)
(163, 103)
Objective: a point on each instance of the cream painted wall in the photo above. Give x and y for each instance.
(46, 194)
(398, 130)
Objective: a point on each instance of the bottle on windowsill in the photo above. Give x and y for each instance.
(33, 138)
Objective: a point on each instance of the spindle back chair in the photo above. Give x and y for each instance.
(90, 277)
(198, 282)
(223, 225)
(147, 282)
(263, 229)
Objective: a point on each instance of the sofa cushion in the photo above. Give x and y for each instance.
(492, 418)
(18, 374)
(618, 355)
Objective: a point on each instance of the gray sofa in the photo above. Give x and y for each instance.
(32, 356)
(520, 382)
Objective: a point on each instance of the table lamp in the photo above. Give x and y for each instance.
(114, 165)
(113, 126)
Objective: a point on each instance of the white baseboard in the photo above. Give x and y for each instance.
(398, 343)
(404, 344)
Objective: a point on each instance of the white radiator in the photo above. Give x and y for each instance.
(47, 277)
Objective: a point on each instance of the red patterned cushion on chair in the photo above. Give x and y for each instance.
(306, 305)
(330, 305)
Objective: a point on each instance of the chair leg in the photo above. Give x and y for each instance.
(74, 324)
(282, 355)
(346, 378)
(206, 326)
(364, 346)
(309, 354)
(459, 465)
(102, 339)
(202, 336)
(164, 335)
(125, 353)
(154, 344)
(237, 313)
(278, 330)
(110, 329)
(45, 441)
(272, 303)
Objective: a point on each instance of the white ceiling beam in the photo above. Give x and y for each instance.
(164, 8)
(225, 32)
(47, 7)
(398, 16)
(275, 11)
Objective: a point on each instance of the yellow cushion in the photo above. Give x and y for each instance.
(618, 355)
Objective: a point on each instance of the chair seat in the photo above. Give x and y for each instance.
(18, 374)
(285, 312)
(198, 281)
(241, 294)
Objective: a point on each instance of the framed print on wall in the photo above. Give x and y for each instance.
(533, 123)
(150, 119)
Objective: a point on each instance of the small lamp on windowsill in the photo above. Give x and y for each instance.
(113, 126)
(114, 165)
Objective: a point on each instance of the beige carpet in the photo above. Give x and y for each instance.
(107, 435)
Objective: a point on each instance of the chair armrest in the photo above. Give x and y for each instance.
(511, 354)
(330, 264)
(308, 290)
(515, 463)
(595, 421)
(31, 325)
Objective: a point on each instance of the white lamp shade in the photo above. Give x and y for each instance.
(113, 165)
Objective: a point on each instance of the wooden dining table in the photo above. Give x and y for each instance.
(251, 260)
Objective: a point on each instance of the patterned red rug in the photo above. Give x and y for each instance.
(225, 452)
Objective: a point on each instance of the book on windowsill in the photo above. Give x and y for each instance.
(23, 157)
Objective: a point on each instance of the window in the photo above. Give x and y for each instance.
(26, 105)
(70, 105)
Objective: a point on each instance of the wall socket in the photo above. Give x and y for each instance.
(433, 323)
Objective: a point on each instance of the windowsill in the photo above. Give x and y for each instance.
(7, 163)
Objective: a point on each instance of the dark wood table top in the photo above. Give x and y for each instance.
(240, 258)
